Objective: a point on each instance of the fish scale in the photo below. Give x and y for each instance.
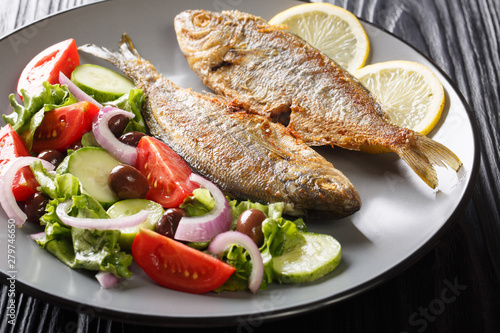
(245, 155)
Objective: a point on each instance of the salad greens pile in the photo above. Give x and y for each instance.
(280, 234)
(77, 248)
(99, 250)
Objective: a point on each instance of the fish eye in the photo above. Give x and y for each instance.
(201, 20)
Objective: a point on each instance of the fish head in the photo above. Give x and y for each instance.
(205, 37)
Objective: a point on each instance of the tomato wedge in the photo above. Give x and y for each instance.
(60, 57)
(64, 126)
(11, 146)
(166, 172)
(177, 266)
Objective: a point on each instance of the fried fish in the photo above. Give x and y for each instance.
(270, 71)
(245, 155)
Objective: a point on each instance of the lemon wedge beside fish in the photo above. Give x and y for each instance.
(331, 29)
(411, 93)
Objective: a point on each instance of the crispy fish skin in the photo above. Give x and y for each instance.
(269, 71)
(245, 155)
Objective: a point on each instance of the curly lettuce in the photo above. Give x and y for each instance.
(280, 234)
(95, 250)
(26, 117)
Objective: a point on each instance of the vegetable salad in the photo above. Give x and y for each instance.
(76, 158)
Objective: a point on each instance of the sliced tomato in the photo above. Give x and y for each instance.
(60, 57)
(166, 172)
(11, 146)
(177, 266)
(64, 126)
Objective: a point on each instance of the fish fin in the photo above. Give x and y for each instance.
(268, 146)
(128, 52)
(423, 154)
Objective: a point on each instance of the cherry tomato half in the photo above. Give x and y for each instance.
(11, 146)
(60, 57)
(63, 126)
(177, 266)
(166, 172)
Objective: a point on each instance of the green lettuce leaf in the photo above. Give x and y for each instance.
(26, 118)
(78, 248)
(87, 249)
(200, 203)
(280, 234)
(56, 186)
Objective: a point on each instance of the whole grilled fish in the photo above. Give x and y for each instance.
(270, 71)
(245, 155)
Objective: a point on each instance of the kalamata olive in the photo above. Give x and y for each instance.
(117, 124)
(131, 138)
(75, 145)
(167, 224)
(250, 223)
(51, 155)
(34, 207)
(128, 182)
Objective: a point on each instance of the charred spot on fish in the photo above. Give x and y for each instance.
(281, 115)
(220, 65)
(282, 118)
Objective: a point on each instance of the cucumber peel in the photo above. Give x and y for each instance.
(308, 261)
(130, 207)
(101, 83)
(92, 165)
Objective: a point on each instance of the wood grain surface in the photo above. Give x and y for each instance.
(460, 36)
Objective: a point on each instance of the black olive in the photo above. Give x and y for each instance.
(167, 224)
(51, 155)
(250, 223)
(131, 138)
(117, 124)
(75, 145)
(34, 207)
(128, 183)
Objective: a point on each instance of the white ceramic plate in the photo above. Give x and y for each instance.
(400, 220)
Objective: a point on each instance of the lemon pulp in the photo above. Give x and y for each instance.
(331, 29)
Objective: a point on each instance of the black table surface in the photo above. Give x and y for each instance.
(463, 38)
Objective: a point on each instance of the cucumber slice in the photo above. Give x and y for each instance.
(101, 83)
(317, 256)
(92, 166)
(130, 207)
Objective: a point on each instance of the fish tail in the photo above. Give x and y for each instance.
(127, 51)
(423, 154)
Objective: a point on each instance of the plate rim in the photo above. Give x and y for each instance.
(279, 314)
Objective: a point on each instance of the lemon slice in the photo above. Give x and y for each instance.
(411, 93)
(331, 29)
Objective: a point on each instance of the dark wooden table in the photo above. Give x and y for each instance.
(463, 38)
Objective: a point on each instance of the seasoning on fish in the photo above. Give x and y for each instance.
(270, 71)
(245, 155)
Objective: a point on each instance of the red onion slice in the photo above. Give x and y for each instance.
(80, 95)
(107, 140)
(107, 280)
(99, 224)
(37, 236)
(7, 199)
(204, 228)
(223, 241)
